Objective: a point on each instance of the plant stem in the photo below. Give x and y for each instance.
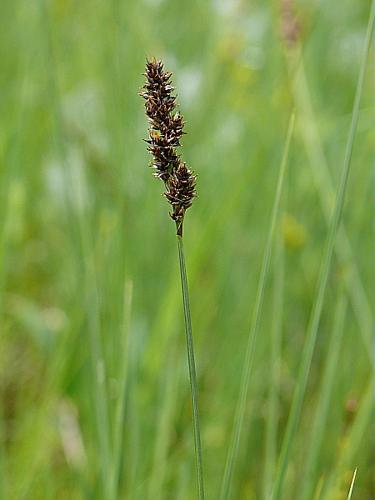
(119, 430)
(192, 370)
(310, 135)
(273, 408)
(239, 416)
(312, 329)
(318, 428)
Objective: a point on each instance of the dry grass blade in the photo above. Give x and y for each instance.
(352, 484)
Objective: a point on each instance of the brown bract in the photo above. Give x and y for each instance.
(165, 132)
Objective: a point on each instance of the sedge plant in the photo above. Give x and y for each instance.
(164, 137)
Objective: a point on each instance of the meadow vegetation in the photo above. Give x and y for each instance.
(95, 397)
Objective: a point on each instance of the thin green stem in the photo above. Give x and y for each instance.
(192, 370)
(250, 349)
(309, 131)
(313, 326)
(119, 426)
(328, 380)
(98, 374)
(86, 266)
(273, 407)
(168, 394)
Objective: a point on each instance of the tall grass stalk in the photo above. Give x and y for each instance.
(275, 368)
(192, 369)
(118, 440)
(80, 233)
(313, 326)
(133, 430)
(98, 383)
(232, 454)
(317, 433)
(10, 165)
(98, 380)
(168, 394)
(323, 180)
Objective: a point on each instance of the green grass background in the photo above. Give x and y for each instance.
(93, 370)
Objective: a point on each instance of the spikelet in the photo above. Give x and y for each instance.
(180, 193)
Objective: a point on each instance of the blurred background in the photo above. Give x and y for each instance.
(95, 398)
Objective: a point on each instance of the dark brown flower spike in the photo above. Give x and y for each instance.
(165, 132)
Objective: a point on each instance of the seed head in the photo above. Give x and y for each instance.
(164, 136)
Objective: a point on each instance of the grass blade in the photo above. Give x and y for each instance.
(118, 440)
(320, 170)
(192, 370)
(245, 380)
(98, 374)
(323, 278)
(86, 266)
(276, 340)
(325, 397)
(169, 401)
